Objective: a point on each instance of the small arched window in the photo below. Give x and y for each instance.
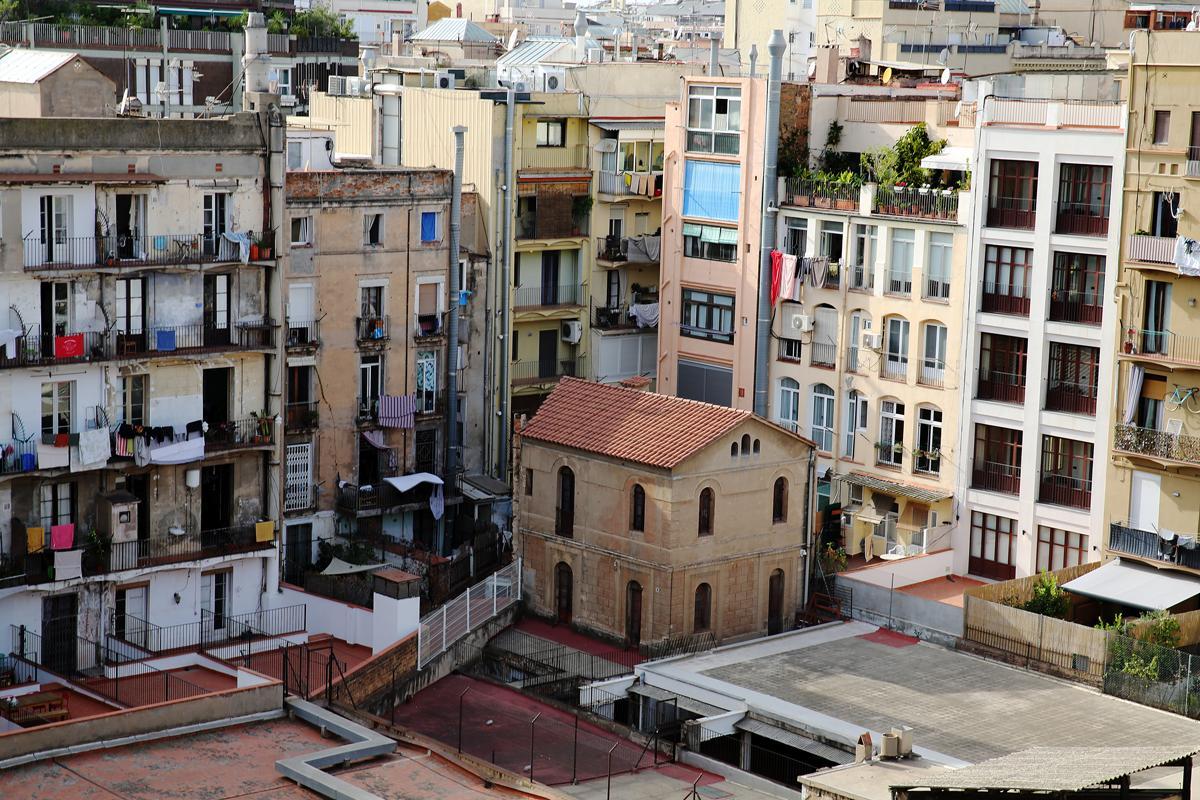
(705, 523)
(564, 513)
(745, 444)
(733, 450)
(637, 511)
(779, 499)
(757, 446)
(702, 616)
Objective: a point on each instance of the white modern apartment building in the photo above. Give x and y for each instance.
(1040, 331)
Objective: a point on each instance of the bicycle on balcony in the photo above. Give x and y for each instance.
(1188, 399)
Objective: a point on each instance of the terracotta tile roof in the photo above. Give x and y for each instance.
(643, 427)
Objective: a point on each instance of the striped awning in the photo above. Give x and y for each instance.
(877, 484)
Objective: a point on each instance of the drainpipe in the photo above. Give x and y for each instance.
(775, 47)
(452, 328)
(166, 66)
(504, 293)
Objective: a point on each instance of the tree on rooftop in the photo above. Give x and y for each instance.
(901, 163)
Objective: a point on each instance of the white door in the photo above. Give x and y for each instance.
(1145, 489)
(136, 626)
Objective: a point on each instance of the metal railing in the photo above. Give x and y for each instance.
(937, 290)
(1128, 540)
(1193, 162)
(822, 354)
(899, 283)
(1011, 212)
(1073, 397)
(931, 374)
(1151, 249)
(303, 334)
(442, 628)
(426, 325)
(240, 433)
(1065, 490)
(535, 371)
(862, 277)
(994, 476)
(571, 156)
(614, 183)
(214, 629)
(1005, 299)
(810, 193)
(1164, 345)
(1157, 444)
(304, 416)
(565, 294)
(852, 362)
(129, 251)
(371, 329)
(1081, 219)
(18, 456)
(893, 370)
(1085, 308)
(1004, 387)
(923, 203)
(357, 499)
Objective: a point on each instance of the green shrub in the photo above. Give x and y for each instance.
(1049, 599)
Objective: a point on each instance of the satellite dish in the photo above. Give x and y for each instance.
(512, 39)
(946, 76)
(887, 75)
(944, 56)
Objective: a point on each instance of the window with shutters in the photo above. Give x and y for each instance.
(298, 489)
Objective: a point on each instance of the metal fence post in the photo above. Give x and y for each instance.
(443, 648)
(575, 752)
(608, 787)
(532, 728)
(494, 594)
(469, 588)
(1187, 687)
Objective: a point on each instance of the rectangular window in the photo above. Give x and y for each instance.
(1012, 193)
(1066, 472)
(862, 272)
(1162, 126)
(790, 349)
(1059, 549)
(1006, 280)
(301, 231)
(1072, 378)
(929, 441)
(705, 382)
(133, 399)
(933, 359)
(822, 417)
(57, 505)
(425, 450)
(372, 229)
(370, 381)
(214, 599)
(993, 548)
(371, 301)
(551, 133)
(1156, 306)
(1084, 193)
(295, 155)
(1077, 290)
(56, 407)
(900, 267)
(714, 119)
(216, 221)
(891, 433)
(707, 316)
(895, 361)
(709, 242)
(997, 459)
(430, 230)
(528, 482)
(831, 241)
(937, 268)
(427, 381)
(712, 190)
(1002, 361)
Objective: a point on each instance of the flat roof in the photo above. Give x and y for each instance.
(843, 679)
(870, 780)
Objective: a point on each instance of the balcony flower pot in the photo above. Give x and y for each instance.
(846, 205)
(254, 251)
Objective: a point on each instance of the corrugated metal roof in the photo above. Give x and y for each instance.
(1135, 585)
(1013, 7)
(628, 124)
(30, 66)
(453, 29)
(895, 487)
(804, 743)
(1055, 769)
(686, 703)
(530, 51)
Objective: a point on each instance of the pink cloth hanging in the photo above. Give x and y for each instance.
(787, 286)
(62, 537)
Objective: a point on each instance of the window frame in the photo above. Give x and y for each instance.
(703, 307)
(564, 503)
(1000, 260)
(59, 417)
(929, 439)
(543, 130)
(789, 400)
(891, 432)
(695, 245)
(708, 128)
(373, 229)
(939, 266)
(305, 239)
(823, 408)
(1054, 552)
(779, 500)
(706, 512)
(637, 509)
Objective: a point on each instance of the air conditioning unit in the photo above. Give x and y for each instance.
(354, 86)
(520, 86)
(337, 85)
(287, 100)
(890, 747)
(572, 331)
(554, 80)
(801, 323)
(443, 79)
(872, 341)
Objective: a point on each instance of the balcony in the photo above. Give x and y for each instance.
(17, 457)
(1065, 490)
(1071, 397)
(1003, 387)
(301, 417)
(545, 370)
(628, 249)
(428, 326)
(550, 296)
(240, 434)
(1163, 345)
(371, 330)
(36, 349)
(648, 185)
(102, 558)
(995, 476)
(1012, 212)
(135, 251)
(1150, 249)
(1081, 219)
(1084, 308)
(210, 630)
(303, 335)
(892, 369)
(1193, 162)
(1004, 299)
(889, 454)
(852, 363)
(569, 157)
(1149, 545)
(822, 354)
(899, 283)
(808, 193)
(936, 290)
(1177, 447)
(920, 203)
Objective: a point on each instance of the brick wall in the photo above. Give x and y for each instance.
(555, 216)
(391, 185)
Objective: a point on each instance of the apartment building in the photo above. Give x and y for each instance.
(1041, 321)
(645, 517)
(1152, 478)
(140, 375)
(749, 25)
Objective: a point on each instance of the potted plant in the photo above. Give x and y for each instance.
(254, 248)
(266, 247)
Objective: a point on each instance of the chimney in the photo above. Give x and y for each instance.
(256, 59)
(580, 37)
(714, 56)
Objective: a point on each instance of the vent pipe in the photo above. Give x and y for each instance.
(452, 365)
(714, 53)
(775, 48)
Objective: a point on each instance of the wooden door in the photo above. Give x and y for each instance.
(775, 603)
(562, 592)
(633, 614)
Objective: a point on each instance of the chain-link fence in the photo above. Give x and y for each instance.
(1152, 675)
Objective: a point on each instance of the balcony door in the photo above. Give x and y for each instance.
(55, 228)
(131, 225)
(131, 315)
(60, 627)
(1145, 492)
(550, 276)
(216, 310)
(130, 615)
(548, 353)
(216, 497)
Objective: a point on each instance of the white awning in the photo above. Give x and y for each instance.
(953, 158)
(1135, 585)
(407, 482)
(339, 567)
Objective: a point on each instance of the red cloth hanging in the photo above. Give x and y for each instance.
(68, 346)
(776, 275)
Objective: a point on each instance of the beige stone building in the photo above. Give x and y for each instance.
(641, 516)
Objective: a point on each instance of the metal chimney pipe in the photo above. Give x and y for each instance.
(753, 58)
(504, 290)
(775, 48)
(713, 56)
(452, 443)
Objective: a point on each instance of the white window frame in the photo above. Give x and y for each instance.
(57, 403)
(306, 225)
(703, 117)
(938, 266)
(368, 224)
(426, 366)
(900, 261)
(891, 432)
(824, 404)
(789, 402)
(857, 410)
(929, 421)
(935, 340)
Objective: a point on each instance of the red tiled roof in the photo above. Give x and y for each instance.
(643, 427)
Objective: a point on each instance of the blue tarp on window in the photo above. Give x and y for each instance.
(428, 226)
(712, 190)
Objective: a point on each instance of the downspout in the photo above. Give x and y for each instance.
(505, 295)
(775, 47)
(452, 327)
(808, 528)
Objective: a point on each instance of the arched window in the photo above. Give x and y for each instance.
(933, 358)
(702, 618)
(779, 499)
(564, 514)
(929, 440)
(895, 348)
(891, 433)
(745, 444)
(733, 450)
(822, 417)
(789, 403)
(705, 525)
(637, 511)
(757, 446)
